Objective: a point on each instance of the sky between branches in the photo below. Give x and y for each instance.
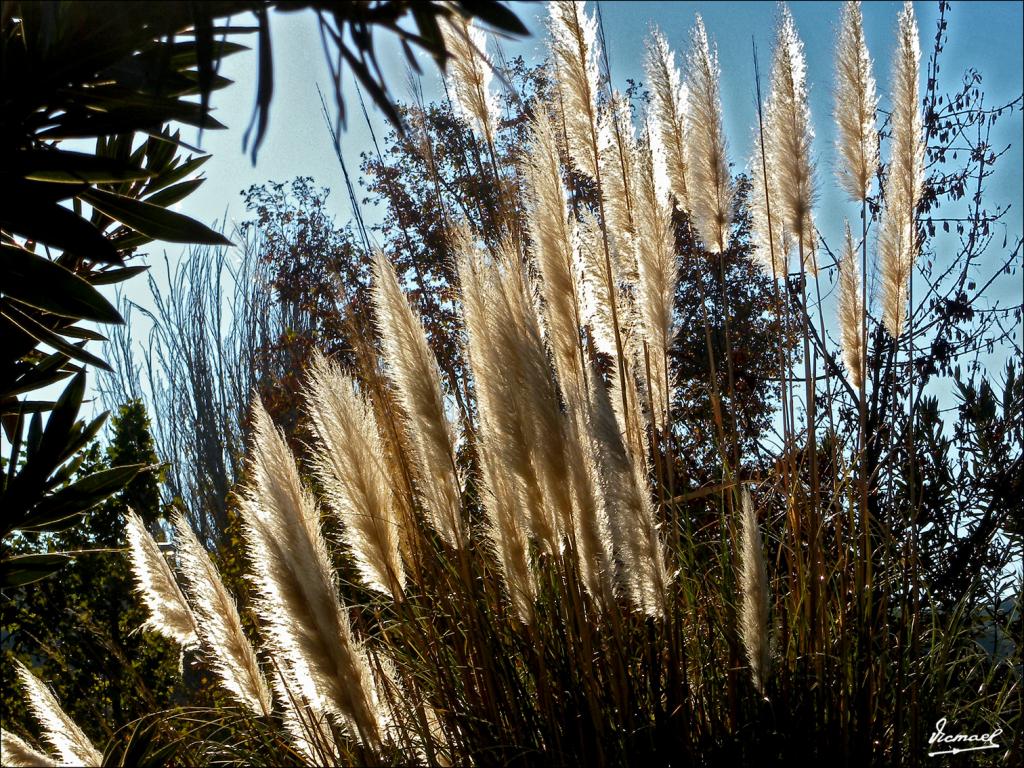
(986, 36)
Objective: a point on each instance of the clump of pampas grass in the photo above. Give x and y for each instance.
(552, 555)
(223, 641)
(298, 605)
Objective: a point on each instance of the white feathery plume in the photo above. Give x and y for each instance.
(298, 604)
(518, 330)
(669, 103)
(897, 240)
(591, 527)
(521, 332)
(771, 240)
(469, 73)
(618, 159)
(631, 516)
(551, 232)
(657, 277)
(788, 139)
(71, 745)
(850, 312)
(753, 583)
(505, 530)
(574, 49)
(592, 286)
(856, 104)
(15, 753)
(709, 187)
(633, 424)
(352, 467)
(413, 371)
(169, 613)
(219, 625)
(502, 363)
(509, 479)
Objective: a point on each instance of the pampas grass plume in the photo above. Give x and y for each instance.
(574, 50)
(15, 753)
(710, 189)
(669, 103)
(897, 238)
(856, 104)
(789, 136)
(506, 354)
(298, 605)
(353, 469)
(753, 584)
(71, 745)
(850, 312)
(630, 510)
(772, 243)
(469, 74)
(169, 613)
(657, 277)
(220, 627)
(414, 373)
(552, 234)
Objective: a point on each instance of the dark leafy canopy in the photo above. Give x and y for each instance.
(119, 74)
(71, 220)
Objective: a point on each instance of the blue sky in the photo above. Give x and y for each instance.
(986, 36)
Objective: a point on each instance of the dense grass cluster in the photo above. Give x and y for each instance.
(526, 582)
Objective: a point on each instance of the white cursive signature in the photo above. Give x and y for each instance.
(982, 741)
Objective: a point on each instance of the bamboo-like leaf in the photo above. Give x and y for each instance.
(20, 570)
(152, 220)
(80, 496)
(45, 285)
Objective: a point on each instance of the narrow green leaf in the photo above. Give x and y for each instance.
(40, 283)
(45, 221)
(78, 332)
(111, 276)
(152, 220)
(66, 167)
(497, 16)
(46, 371)
(41, 333)
(177, 173)
(24, 569)
(171, 195)
(43, 455)
(79, 497)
